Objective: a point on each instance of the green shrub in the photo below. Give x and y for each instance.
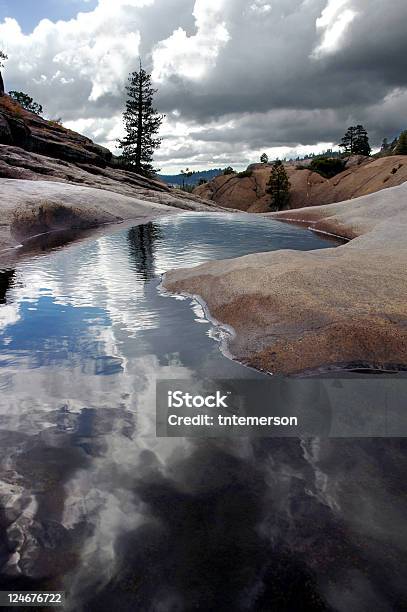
(401, 148)
(228, 170)
(327, 167)
(26, 102)
(245, 174)
(187, 188)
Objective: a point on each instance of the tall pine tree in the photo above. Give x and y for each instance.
(401, 148)
(278, 186)
(356, 141)
(362, 145)
(142, 123)
(3, 58)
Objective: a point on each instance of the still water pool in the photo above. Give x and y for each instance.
(94, 504)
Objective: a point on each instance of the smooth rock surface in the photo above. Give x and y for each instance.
(17, 163)
(341, 307)
(29, 208)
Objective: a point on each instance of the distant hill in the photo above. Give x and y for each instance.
(179, 179)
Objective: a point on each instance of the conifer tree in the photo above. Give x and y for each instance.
(3, 58)
(385, 145)
(142, 123)
(26, 102)
(362, 145)
(186, 174)
(401, 148)
(356, 141)
(278, 186)
(347, 142)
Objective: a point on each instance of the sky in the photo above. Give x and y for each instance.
(235, 78)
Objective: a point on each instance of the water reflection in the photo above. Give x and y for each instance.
(6, 280)
(92, 502)
(141, 241)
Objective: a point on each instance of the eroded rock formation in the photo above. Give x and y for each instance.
(361, 177)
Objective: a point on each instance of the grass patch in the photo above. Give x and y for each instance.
(12, 107)
(245, 174)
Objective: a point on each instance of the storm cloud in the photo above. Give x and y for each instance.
(233, 77)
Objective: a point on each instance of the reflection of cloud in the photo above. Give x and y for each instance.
(139, 522)
(8, 315)
(54, 384)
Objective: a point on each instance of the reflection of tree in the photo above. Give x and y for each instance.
(6, 280)
(141, 241)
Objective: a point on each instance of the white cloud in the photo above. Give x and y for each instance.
(192, 56)
(261, 6)
(96, 49)
(333, 24)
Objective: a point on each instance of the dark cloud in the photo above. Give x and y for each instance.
(242, 75)
(268, 64)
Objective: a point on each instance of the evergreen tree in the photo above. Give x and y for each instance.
(228, 170)
(401, 148)
(3, 58)
(278, 186)
(362, 145)
(142, 123)
(264, 159)
(186, 174)
(356, 141)
(385, 145)
(26, 102)
(394, 144)
(347, 142)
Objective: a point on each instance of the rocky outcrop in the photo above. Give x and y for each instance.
(16, 163)
(32, 148)
(54, 179)
(336, 308)
(361, 177)
(21, 128)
